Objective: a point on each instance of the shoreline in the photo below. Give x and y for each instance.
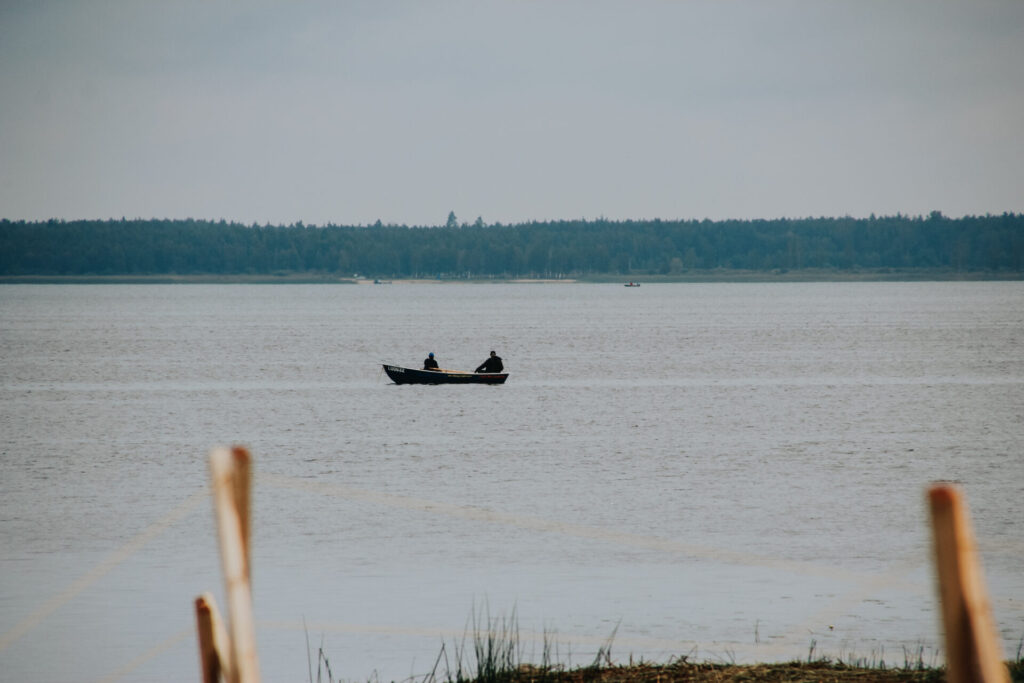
(910, 670)
(709, 276)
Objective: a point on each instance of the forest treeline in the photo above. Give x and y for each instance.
(537, 249)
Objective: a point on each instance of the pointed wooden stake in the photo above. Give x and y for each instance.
(214, 644)
(230, 471)
(973, 654)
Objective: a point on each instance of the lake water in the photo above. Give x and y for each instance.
(728, 471)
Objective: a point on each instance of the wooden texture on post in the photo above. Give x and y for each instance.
(229, 469)
(973, 654)
(214, 644)
(242, 487)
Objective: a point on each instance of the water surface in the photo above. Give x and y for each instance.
(724, 470)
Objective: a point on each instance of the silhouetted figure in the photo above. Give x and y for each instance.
(492, 364)
(429, 363)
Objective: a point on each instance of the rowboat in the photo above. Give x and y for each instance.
(400, 375)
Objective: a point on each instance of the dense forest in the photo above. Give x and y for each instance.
(578, 248)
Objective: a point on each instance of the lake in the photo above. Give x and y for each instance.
(725, 471)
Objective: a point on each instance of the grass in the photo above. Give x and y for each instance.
(497, 657)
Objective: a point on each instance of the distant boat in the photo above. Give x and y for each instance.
(632, 284)
(382, 282)
(400, 375)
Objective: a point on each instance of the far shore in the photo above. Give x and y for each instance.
(691, 276)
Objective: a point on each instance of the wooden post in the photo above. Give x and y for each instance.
(229, 469)
(243, 485)
(973, 654)
(214, 644)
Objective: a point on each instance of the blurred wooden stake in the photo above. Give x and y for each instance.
(214, 645)
(230, 471)
(242, 487)
(973, 654)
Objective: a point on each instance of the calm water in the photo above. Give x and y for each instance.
(726, 471)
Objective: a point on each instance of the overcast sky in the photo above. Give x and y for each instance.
(349, 112)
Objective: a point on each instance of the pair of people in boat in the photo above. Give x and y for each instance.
(492, 364)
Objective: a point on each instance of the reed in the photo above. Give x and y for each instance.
(495, 655)
(1016, 666)
(323, 664)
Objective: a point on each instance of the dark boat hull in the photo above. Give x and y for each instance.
(401, 375)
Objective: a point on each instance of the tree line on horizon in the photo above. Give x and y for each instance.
(535, 249)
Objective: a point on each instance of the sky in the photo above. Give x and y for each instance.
(352, 111)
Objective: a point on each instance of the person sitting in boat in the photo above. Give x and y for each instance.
(429, 363)
(492, 364)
